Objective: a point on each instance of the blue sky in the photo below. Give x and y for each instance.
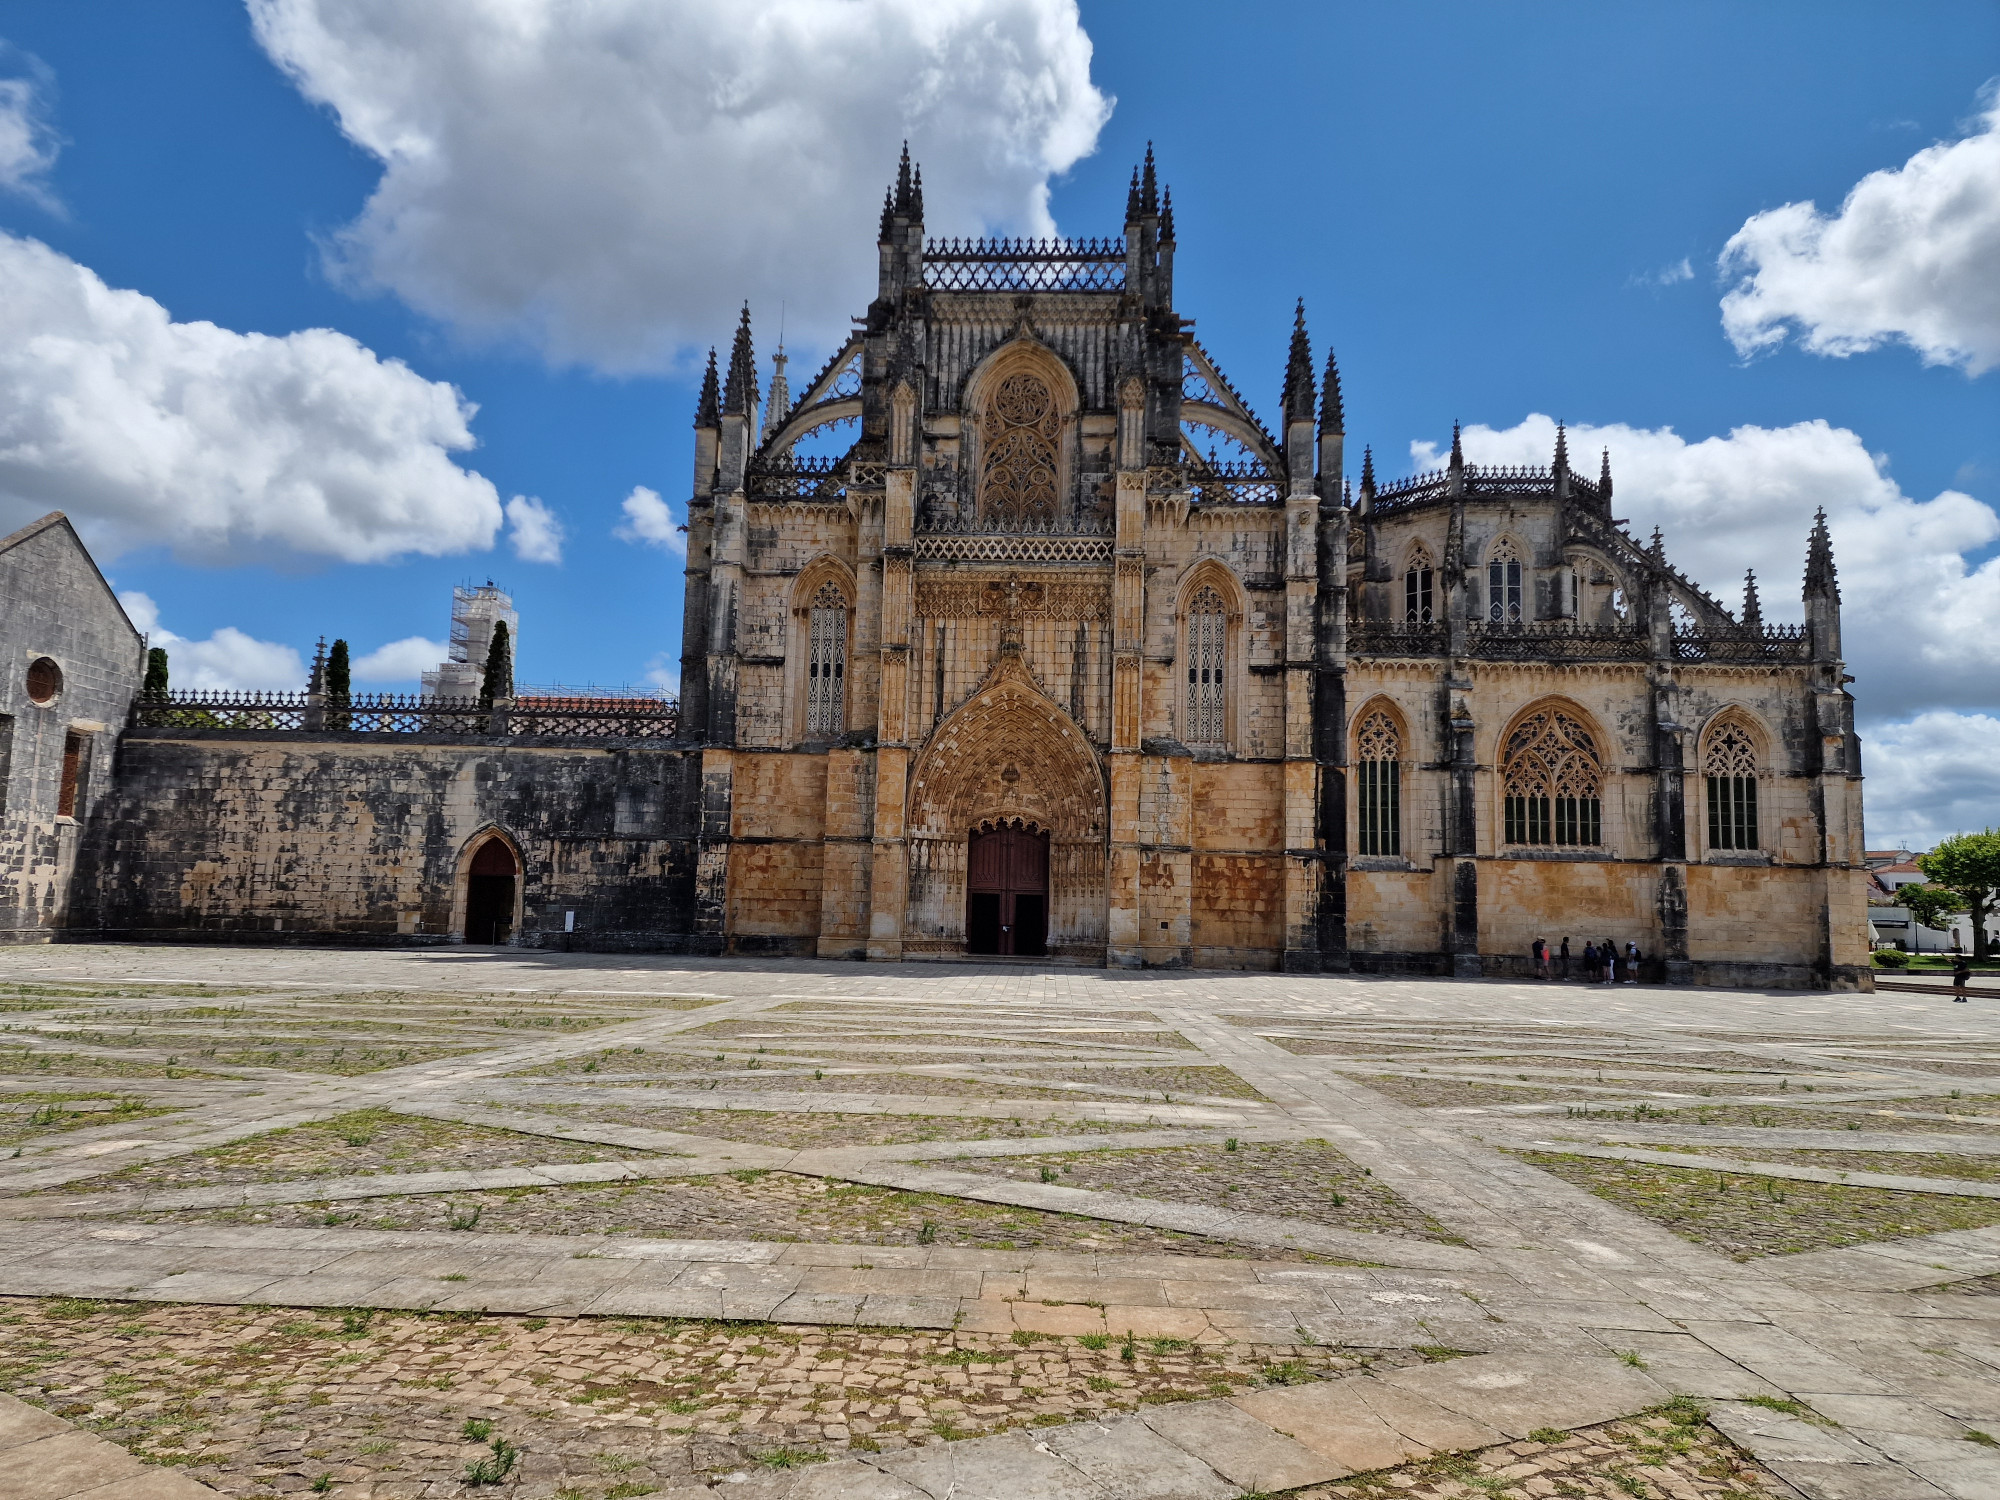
(1494, 213)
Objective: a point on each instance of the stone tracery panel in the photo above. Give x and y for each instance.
(1019, 435)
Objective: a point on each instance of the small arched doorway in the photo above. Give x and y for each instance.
(1007, 890)
(489, 893)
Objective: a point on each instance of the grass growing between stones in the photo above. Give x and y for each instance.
(1747, 1217)
(1896, 1163)
(360, 1143)
(1299, 1180)
(830, 1131)
(255, 1400)
(1667, 1454)
(749, 1205)
(27, 1119)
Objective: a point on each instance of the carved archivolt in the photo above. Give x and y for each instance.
(1008, 752)
(1039, 599)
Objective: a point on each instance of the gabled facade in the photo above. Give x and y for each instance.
(1019, 664)
(70, 665)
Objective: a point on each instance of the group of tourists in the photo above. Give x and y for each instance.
(1602, 963)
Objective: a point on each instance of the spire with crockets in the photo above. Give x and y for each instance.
(1332, 409)
(1820, 576)
(1753, 607)
(1299, 395)
(1149, 185)
(708, 410)
(739, 391)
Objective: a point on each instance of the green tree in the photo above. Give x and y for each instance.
(155, 685)
(1932, 905)
(1968, 864)
(339, 686)
(499, 681)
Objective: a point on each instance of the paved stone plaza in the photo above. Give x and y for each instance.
(411, 1223)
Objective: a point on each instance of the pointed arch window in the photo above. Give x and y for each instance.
(1503, 584)
(1018, 439)
(1207, 657)
(826, 663)
(1553, 780)
(1378, 756)
(1730, 764)
(1419, 581)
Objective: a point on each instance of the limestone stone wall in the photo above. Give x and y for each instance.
(212, 835)
(55, 604)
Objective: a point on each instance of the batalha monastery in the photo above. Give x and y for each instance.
(1016, 666)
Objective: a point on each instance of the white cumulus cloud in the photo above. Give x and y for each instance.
(1918, 617)
(534, 531)
(228, 660)
(610, 180)
(222, 445)
(1931, 776)
(1912, 254)
(399, 661)
(28, 143)
(649, 521)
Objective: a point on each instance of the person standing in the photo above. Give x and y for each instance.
(1608, 952)
(1590, 963)
(1563, 961)
(1631, 963)
(1541, 953)
(1961, 976)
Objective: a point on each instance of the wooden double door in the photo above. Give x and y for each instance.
(1007, 892)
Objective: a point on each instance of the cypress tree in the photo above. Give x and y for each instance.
(499, 667)
(339, 681)
(156, 673)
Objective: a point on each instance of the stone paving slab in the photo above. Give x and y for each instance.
(945, 1106)
(1518, 1393)
(42, 1457)
(1736, 1167)
(1248, 1452)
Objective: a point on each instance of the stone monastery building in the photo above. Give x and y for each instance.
(987, 651)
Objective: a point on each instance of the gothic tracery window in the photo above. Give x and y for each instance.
(1730, 764)
(1019, 435)
(1503, 584)
(1378, 753)
(826, 663)
(1207, 652)
(1553, 782)
(1418, 581)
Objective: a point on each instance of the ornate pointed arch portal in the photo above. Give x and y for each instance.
(1008, 758)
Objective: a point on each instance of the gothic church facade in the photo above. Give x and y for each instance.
(1027, 668)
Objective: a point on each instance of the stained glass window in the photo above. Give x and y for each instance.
(826, 663)
(1553, 782)
(1378, 752)
(1207, 650)
(1730, 763)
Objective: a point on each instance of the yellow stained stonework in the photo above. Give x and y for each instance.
(1019, 558)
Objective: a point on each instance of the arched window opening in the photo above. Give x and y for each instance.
(826, 664)
(1018, 437)
(1730, 763)
(1553, 782)
(1418, 582)
(1503, 585)
(1207, 650)
(1378, 754)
